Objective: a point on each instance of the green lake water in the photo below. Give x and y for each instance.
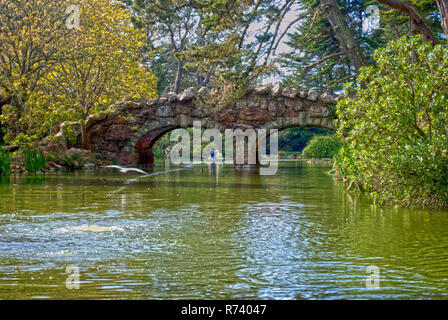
(200, 233)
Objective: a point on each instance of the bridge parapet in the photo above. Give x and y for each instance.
(127, 132)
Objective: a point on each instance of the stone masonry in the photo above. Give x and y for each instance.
(127, 133)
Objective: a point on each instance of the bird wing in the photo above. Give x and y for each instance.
(113, 167)
(137, 170)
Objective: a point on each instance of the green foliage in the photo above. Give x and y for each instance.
(47, 88)
(394, 124)
(212, 43)
(69, 135)
(74, 161)
(315, 40)
(161, 145)
(323, 147)
(5, 163)
(322, 62)
(297, 139)
(2, 135)
(35, 161)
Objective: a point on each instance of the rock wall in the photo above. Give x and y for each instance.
(128, 131)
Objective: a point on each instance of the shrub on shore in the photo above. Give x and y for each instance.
(322, 147)
(393, 123)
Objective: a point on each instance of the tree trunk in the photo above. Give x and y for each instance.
(200, 79)
(3, 101)
(443, 8)
(180, 71)
(344, 34)
(418, 25)
(83, 134)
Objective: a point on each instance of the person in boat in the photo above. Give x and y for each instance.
(213, 155)
(218, 155)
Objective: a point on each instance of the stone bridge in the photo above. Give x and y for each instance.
(128, 132)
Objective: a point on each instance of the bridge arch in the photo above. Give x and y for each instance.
(127, 134)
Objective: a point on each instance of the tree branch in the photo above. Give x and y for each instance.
(418, 25)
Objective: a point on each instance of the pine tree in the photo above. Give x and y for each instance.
(319, 59)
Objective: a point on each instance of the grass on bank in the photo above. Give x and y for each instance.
(35, 161)
(5, 163)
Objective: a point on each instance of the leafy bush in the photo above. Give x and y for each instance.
(35, 161)
(161, 145)
(394, 124)
(322, 147)
(74, 161)
(297, 139)
(5, 163)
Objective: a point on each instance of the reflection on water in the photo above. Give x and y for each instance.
(213, 232)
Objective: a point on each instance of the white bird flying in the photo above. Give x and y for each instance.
(125, 170)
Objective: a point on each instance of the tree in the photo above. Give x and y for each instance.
(393, 123)
(52, 74)
(443, 8)
(175, 24)
(30, 34)
(214, 39)
(344, 34)
(105, 65)
(418, 24)
(320, 61)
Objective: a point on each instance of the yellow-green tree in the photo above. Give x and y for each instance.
(52, 71)
(105, 65)
(30, 35)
